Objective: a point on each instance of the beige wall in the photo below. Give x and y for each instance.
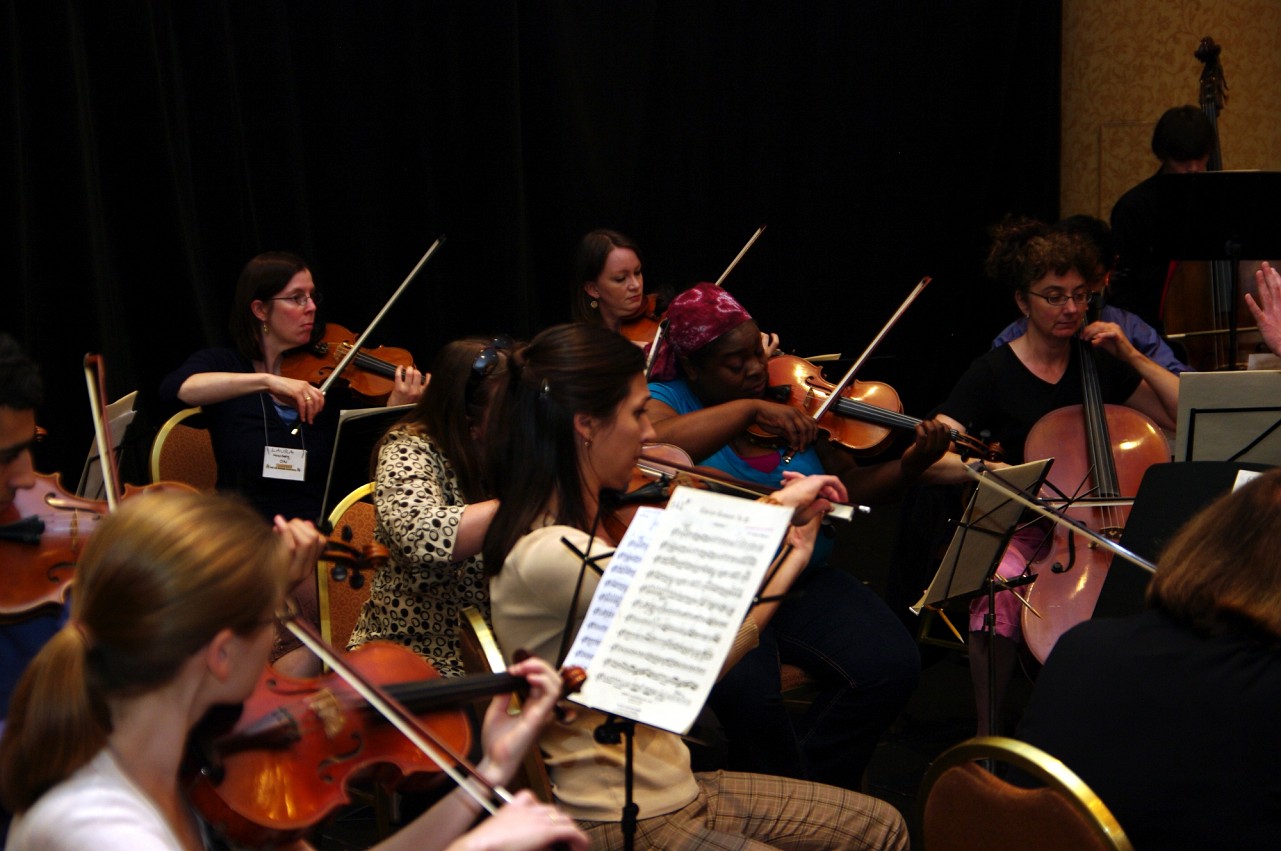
(1126, 61)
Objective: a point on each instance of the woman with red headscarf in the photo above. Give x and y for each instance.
(710, 378)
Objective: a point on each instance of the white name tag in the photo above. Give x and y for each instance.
(280, 462)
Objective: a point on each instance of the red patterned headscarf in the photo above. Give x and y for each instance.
(695, 318)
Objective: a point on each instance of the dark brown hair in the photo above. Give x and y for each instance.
(589, 259)
(456, 399)
(262, 278)
(1222, 571)
(565, 370)
(1025, 250)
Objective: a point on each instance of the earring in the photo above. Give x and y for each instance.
(587, 443)
(264, 329)
(593, 304)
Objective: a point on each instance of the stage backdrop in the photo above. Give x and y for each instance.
(151, 148)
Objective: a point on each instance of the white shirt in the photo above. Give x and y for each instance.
(98, 807)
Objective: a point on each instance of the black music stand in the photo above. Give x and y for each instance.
(1168, 497)
(1218, 215)
(359, 431)
(970, 564)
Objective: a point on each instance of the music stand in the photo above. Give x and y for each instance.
(1218, 215)
(359, 431)
(970, 564)
(1229, 416)
(1168, 496)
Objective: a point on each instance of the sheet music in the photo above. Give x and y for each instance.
(677, 608)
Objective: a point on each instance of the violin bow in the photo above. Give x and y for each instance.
(360, 341)
(993, 479)
(871, 347)
(662, 326)
(730, 268)
(402, 719)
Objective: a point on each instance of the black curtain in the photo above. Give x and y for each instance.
(151, 148)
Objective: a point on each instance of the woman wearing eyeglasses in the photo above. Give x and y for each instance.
(272, 435)
(434, 506)
(1008, 389)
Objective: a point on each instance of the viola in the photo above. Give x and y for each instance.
(1107, 464)
(41, 536)
(863, 416)
(285, 763)
(642, 327)
(373, 372)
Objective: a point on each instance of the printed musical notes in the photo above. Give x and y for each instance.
(667, 608)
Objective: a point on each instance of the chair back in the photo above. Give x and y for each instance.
(480, 655)
(964, 807)
(183, 452)
(353, 522)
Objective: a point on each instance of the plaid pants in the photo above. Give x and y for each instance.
(756, 811)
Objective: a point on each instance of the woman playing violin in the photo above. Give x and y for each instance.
(272, 435)
(1008, 389)
(607, 280)
(580, 400)
(711, 378)
(249, 405)
(434, 506)
(172, 614)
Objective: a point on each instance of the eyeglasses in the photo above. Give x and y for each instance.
(1063, 298)
(301, 299)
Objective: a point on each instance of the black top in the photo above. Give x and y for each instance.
(1001, 396)
(1176, 733)
(242, 427)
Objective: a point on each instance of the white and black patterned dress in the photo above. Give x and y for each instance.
(417, 599)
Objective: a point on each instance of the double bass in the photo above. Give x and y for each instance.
(1203, 302)
(1100, 452)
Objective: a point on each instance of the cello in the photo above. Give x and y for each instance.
(1100, 451)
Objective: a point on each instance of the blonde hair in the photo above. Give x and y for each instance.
(156, 582)
(1221, 572)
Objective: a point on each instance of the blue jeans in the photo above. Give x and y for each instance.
(865, 665)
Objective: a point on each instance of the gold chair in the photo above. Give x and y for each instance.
(184, 453)
(963, 807)
(353, 522)
(480, 655)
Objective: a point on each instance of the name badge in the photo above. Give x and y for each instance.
(281, 462)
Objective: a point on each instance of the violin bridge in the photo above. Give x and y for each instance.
(327, 708)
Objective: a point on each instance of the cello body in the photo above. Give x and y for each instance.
(1070, 572)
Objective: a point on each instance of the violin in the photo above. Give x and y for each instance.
(664, 466)
(862, 417)
(642, 327)
(373, 373)
(44, 530)
(41, 536)
(283, 765)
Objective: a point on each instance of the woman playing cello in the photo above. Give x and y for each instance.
(1006, 391)
(173, 613)
(573, 423)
